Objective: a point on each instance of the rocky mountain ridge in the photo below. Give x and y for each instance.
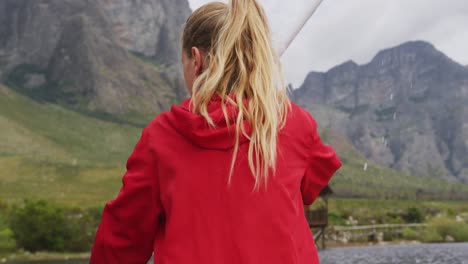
(406, 109)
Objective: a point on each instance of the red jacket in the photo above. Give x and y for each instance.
(175, 200)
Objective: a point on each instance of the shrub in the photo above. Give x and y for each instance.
(7, 242)
(38, 225)
(451, 212)
(447, 227)
(431, 235)
(392, 218)
(409, 233)
(81, 226)
(336, 219)
(414, 215)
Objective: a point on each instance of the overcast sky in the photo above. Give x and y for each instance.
(342, 30)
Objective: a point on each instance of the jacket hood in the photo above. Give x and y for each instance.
(196, 129)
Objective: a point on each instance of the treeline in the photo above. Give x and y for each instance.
(37, 225)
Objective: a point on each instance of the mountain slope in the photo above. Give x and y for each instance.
(92, 56)
(83, 78)
(57, 154)
(45, 131)
(50, 152)
(406, 109)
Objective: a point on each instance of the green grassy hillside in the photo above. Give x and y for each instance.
(384, 183)
(50, 152)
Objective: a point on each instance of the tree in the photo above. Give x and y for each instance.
(38, 225)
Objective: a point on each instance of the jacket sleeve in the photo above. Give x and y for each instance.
(322, 163)
(129, 223)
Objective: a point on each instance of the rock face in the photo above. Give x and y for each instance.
(406, 109)
(149, 27)
(114, 57)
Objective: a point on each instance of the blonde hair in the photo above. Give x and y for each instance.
(240, 64)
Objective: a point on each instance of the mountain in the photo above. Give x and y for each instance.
(78, 80)
(105, 58)
(406, 109)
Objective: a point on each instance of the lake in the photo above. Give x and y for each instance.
(453, 253)
(447, 253)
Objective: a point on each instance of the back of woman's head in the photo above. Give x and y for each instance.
(240, 63)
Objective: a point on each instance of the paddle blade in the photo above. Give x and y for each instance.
(287, 18)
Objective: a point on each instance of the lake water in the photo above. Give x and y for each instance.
(456, 253)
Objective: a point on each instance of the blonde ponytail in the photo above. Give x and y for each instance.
(241, 62)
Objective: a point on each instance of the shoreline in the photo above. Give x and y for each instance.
(54, 256)
(43, 255)
(332, 244)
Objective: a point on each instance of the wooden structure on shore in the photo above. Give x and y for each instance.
(318, 218)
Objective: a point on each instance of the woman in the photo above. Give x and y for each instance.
(222, 178)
